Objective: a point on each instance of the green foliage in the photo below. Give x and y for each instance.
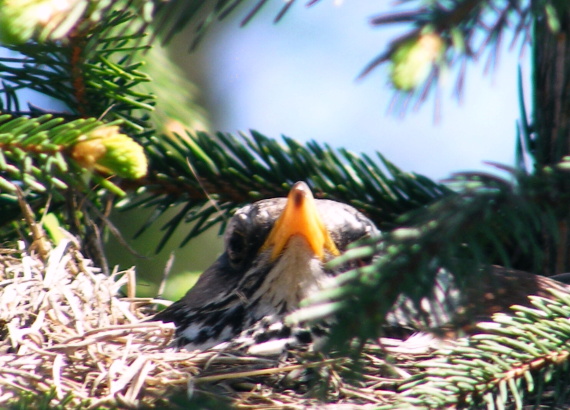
(92, 70)
(94, 59)
(20, 21)
(171, 17)
(487, 220)
(92, 75)
(518, 358)
(35, 158)
(467, 28)
(47, 401)
(211, 176)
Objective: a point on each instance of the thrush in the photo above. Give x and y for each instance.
(275, 255)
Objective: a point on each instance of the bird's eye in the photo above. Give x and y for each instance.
(236, 248)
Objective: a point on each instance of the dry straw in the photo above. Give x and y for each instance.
(73, 337)
(67, 330)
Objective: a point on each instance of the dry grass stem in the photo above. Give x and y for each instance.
(66, 330)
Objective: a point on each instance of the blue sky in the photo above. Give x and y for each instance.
(298, 78)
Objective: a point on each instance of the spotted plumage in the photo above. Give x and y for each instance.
(274, 256)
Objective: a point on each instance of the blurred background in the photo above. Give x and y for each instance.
(299, 78)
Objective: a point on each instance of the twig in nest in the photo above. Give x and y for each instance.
(40, 241)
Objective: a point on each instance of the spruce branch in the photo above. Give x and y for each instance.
(444, 34)
(52, 20)
(53, 160)
(93, 68)
(516, 360)
(173, 16)
(213, 175)
(44, 20)
(92, 74)
(34, 152)
(488, 220)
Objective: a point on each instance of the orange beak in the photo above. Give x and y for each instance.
(300, 217)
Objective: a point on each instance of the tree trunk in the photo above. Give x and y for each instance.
(551, 123)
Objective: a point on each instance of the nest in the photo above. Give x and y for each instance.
(72, 335)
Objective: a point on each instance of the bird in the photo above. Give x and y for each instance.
(275, 255)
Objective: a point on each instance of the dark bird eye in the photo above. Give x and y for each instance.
(236, 248)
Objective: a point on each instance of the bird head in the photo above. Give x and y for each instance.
(268, 226)
(275, 254)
